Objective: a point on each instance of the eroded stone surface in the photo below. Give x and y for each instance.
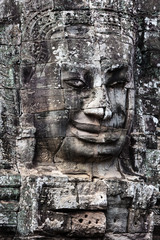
(92, 195)
(128, 236)
(79, 120)
(88, 224)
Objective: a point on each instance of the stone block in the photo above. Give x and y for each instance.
(131, 99)
(10, 34)
(9, 206)
(27, 48)
(92, 195)
(38, 35)
(46, 76)
(42, 100)
(8, 219)
(25, 149)
(9, 180)
(117, 219)
(26, 132)
(151, 142)
(150, 123)
(80, 54)
(26, 121)
(156, 212)
(72, 101)
(138, 221)
(69, 4)
(128, 236)
(10, 12)
(77, 171)
(79, 33)
(122, 46)
(28, 204)
(75, 17)
(8, 102)
(7, 235)
(8, 51)
(143, 195)
(64, 197)
(25, 220)
(115, 187)
(87, 224)
(151, 105)
(104, 21)
(55, 222)
(52, 73)
(152, 164)
(148, 6)
(51, 124)
(7, 154)
(9, 193)
(119, 201)
(46, 148)
(114, 6)
(38, 5)
(58, 46)
(102, 170)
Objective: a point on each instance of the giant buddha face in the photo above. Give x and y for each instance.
(82, 95)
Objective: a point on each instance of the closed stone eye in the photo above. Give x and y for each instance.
(76, 83)
(118, 84)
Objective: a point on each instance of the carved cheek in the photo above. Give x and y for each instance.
(117, 100)
(117, 97)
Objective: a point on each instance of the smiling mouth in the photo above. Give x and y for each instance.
(95, 133)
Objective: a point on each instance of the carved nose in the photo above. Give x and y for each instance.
(101, 113)
(96, 112)
(108, 113)
(98, 105)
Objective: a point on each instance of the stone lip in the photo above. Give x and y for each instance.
(95, 133)
(92, 128)
(102, 137)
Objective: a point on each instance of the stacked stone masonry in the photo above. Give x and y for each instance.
(79, 119)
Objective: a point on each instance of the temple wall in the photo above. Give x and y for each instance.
(79, 117)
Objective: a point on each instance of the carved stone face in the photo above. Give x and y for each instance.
(83, 95)
(95, 91)
(96, 129)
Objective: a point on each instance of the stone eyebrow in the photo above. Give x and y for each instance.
(117, 74)
(117, 66)
(70, 75)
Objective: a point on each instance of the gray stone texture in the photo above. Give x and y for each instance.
(79, 119)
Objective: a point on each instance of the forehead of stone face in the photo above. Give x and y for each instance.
(108, 48)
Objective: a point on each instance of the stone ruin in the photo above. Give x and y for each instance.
(79, 116)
